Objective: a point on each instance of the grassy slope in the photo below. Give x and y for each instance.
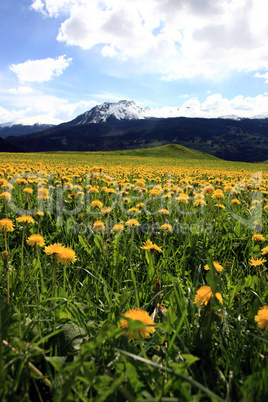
(166, 151)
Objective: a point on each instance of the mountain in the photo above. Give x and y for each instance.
(125, 126)
(14, 129)
(7, 147)
(122, 110)
(128, 110)
(244, 140)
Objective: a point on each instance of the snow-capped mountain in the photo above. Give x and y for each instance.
(128, 110)
(15, 129)
(122, 110)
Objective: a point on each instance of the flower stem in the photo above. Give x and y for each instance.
(22, 246)
(39, 263)
(54, 276)
(218, 225)
(5, 236)
(142, 349)
(135, 287)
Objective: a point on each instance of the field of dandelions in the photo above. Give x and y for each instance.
(132, 279)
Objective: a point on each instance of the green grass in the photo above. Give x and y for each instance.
(60, 333)
(173, 151)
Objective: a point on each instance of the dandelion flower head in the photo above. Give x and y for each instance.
(148, 245)
(132, 222)
(98, 226)
(166, 227)
(258, 237)
(204, 294)
(262, 318)
(257, 262)
(25, 219)
(5, 196)
(118, 227)
(55, 248)
(138, 314)
(6, 225)
(36, 240)
(65, 256)
(217, 266)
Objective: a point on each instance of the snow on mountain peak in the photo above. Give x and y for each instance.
(122, 110)
(128, 110)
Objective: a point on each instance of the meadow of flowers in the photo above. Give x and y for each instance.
(132, 279)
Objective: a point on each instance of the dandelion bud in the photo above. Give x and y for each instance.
(157, 285)
(5, 255)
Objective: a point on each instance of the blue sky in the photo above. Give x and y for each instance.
(60, 58)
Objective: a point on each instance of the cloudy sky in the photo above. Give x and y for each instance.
(60, 58)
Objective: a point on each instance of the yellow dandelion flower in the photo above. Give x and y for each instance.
(21, 181)
(132, 222)
(138, 314)
(118, 227)
(134, 209)
(106, 210)
(264, 250)
(166, 227)
(93, 190)
(183, 198)
(3, 182)
(36, 240)
(262, 318)
(42, 193)
(257, 262)
(25, 219)
(28, 190)
(163, 211)
(39, 213)
(235, 201)
(65, 256)
(228, 188)
(98, 226)
(258, 237)
(55, 248)
(204, 294)
(5, 196)
(220, 206)
(218, 195)
(217, 266)
(209, 189)
(199, 202)
(110, 191)
(140, 182)
(148, 245)
(96, 204)
(6, 225)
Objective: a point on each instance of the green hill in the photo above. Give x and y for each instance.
(167, 151)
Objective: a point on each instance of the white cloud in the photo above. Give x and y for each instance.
(265, 76)
(36, 106)
(180, 38)
(20, 90)
(40, 70)
(53, 8)
(247, 106)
